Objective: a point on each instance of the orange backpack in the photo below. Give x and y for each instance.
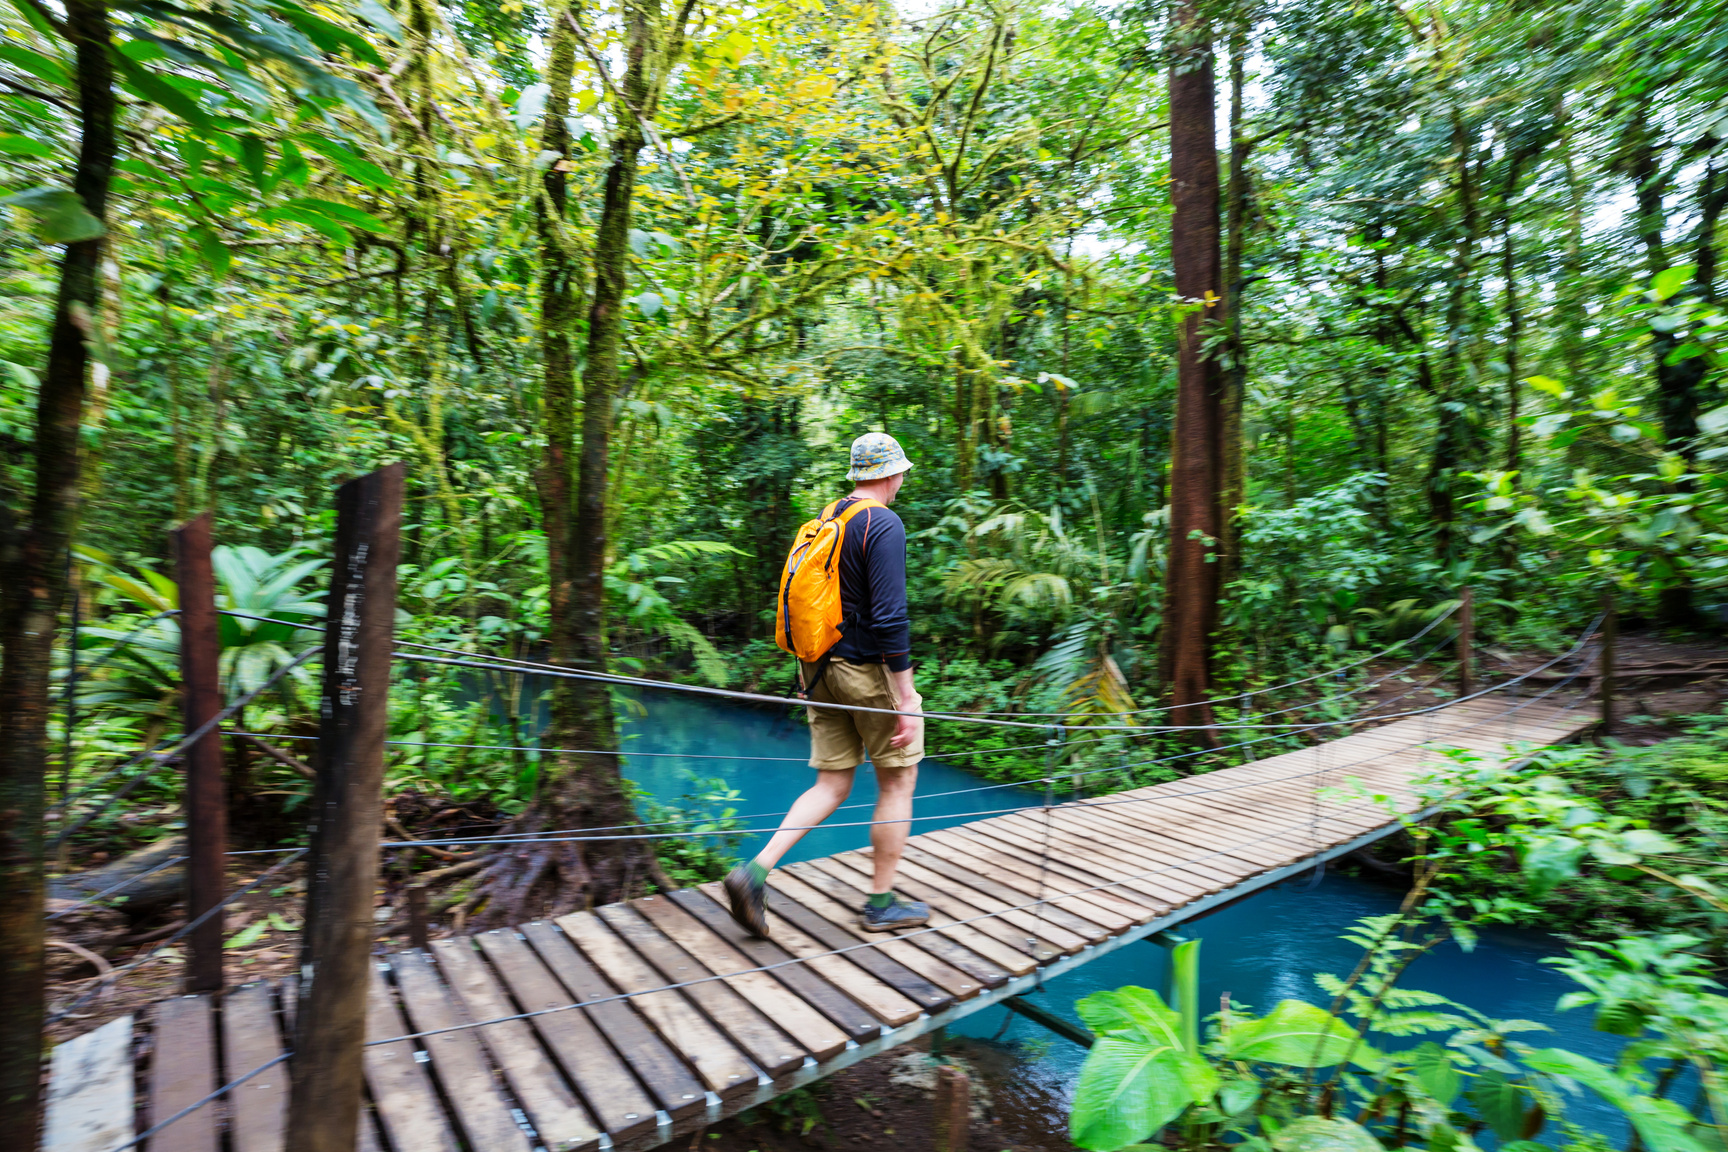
(808, 618)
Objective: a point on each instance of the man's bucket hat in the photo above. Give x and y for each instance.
(876, 455)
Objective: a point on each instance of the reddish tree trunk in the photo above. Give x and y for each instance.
(1197, 457)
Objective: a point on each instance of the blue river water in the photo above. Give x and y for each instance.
(1258, 951)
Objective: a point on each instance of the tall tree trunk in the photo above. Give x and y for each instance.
(1233, 445)
(1455, 437)
(1679, 386)
(1514, 333)
(1196, 471)
(33, 549)
(584, 790)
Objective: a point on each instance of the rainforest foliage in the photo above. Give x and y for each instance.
(1231, 340)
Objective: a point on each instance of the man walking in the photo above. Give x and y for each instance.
(869, 667)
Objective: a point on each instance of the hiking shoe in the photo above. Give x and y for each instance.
(746, 896)
(899, 914)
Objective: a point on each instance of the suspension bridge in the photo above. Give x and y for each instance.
(632, 1024)
(636, 1023)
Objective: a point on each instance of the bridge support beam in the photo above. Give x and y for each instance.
(1048, 1019)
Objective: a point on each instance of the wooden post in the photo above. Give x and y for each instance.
(200, 702)
(1605, 669)
(348, 806)
(1466, 639)
(417, 916)
(953, 1110)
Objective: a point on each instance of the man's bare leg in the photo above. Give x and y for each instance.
(818, 802)
(893, 825)
(746, 884)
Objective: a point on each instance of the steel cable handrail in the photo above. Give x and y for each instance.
(1411, 639)
(558, 839)
(489, 663)
(756, 697)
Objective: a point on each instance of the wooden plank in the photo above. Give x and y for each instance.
(1159, 894)
(1277, 822)
(1142, 874)
(1051, 936)
(854, 885)
(90, 1105)
(456, 1057)
(673, 1086)
(806, 1025)
(258, 1109)
(183, 1071)
(1148, 860)
(706, 904)
(882, 999)
(1271, 808)
(949, 978)
(1052, 911)
(1168, 821)
(939, 944)
(756, 1035)
(1166, 847)
(408, 1106)
(955, 902)
(621, 1105)
(1272, 839)
(1147, 852)
(1101, 906)
(556, 1113)
(880, 961)
(716, 1060)
(1146, 866)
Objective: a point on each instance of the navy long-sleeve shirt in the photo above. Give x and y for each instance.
(873, 590)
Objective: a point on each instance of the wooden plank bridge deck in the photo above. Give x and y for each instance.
(1014, 897)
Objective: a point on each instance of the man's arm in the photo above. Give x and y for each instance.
(907, 728)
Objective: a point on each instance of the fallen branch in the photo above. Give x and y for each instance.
(277, 755)
(395, 826)
(102, 966)
(461, 869)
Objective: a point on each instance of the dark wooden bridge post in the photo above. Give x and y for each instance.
(953, 1110)
(348, 805)
(1605, 669)
(1466, 641)
(200, 703)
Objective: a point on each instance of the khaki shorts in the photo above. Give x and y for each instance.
(838, 739)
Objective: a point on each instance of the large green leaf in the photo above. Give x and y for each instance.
(1670, 280)
(1295, 1032)
(1435, 1071)
(1318, 1134)
(1549, 861)
(153, 89)
(40, 66)
(1137, 1078)
(338, 212)
(1501, 1103)
(61, 217)
(1129, 1089)
(24, 146)
(354, 165)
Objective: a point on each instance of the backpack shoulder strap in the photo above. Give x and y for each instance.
(854, 508)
